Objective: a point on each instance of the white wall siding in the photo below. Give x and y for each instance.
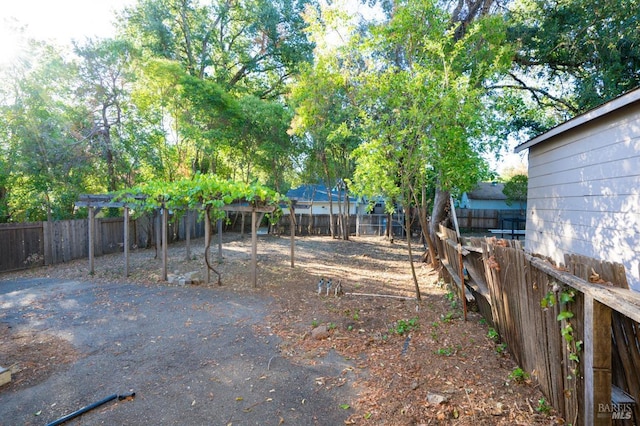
(322, 207)
(584, 192)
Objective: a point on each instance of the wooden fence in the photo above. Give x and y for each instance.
(365, 224)
(21, 245)
(25, 245)
(574, 328)
(481, 220)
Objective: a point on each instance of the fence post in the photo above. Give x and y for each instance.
(187, 232)
(292, 225)
(165, 241)
(46, 238)
(126, 241)
(254, 248)
(597, 362)
(92, 234)
(207, 242)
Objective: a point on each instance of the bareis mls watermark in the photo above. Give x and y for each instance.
(616, 411)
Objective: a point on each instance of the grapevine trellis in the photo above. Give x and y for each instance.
(211, 195)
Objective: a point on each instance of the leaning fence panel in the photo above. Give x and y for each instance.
(569, 326)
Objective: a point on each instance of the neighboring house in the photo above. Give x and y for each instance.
(314, 199)
(584, 186)
(488, 196)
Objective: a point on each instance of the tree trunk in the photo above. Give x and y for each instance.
(407, 229)
(439, 213)
(388, 231)
(323, 158)
(424, 225)
(347, 217)
(340, 216)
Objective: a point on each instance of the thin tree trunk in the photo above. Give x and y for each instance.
(407, 228)
(323, 157)
(347, 217)
(341, 212)
(424, 224)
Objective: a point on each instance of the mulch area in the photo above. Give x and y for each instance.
(415, 362)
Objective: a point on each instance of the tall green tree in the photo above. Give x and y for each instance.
(426, 111)
(575, 54)
(105, 77)
(244, 46)
(324, 119)
(48, 158)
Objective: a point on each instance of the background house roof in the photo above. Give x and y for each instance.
(487, 191)
(308, 193)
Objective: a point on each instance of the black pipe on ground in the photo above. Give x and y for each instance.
(91, 407)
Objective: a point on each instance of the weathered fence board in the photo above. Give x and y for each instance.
(541, 343)
(477, 219)
(483, 219)
(24, 245)
(21, 246)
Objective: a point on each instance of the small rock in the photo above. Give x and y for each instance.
(498, 410)
(193, 276)
(172, 278)
(434, 398)
(414, 385)
(320, 332)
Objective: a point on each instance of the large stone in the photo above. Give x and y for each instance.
(436, 399)
(320, 332)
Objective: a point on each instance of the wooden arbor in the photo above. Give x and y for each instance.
(96, 202)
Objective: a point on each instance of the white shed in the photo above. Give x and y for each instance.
(584, 186)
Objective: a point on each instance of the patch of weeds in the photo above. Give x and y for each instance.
(356, 315)
(482, 321)
(404, 326)
(314, 323)
(331, 326)
(448, 317)
(448, 351)
(518, 375)
(453, 300)
(349, 327)
(543, 406)
(493, 334)
(501, 348)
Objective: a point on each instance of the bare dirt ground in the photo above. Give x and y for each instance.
(415, 362)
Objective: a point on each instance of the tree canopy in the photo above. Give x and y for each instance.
(407, 105)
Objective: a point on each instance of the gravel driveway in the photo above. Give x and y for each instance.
(191, 355)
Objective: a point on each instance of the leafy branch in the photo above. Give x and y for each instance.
(208, 192)
(565, 297)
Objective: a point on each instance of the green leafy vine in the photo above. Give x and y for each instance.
(565, 296)
(207, 192)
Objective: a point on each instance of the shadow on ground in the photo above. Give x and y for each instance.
(190, 354)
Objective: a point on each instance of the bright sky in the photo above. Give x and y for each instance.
(61, 20)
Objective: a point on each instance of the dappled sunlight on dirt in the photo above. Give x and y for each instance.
(415, 362)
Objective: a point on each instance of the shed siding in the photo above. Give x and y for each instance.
(584, 192)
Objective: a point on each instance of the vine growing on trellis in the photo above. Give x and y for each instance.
(565, 296)
(207, 192)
